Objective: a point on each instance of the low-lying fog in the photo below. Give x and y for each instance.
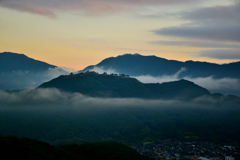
(49, 97)
(61, 117)
(26, 79)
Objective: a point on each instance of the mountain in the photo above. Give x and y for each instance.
(104, 85)
(136, 65)
(10, 62)
(18, 71)
(217, 78)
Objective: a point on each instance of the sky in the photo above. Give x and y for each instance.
(78, 33)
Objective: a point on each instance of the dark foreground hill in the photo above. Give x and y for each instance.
(29, 149)
(136, 65)
(18, 71)
(121, 86)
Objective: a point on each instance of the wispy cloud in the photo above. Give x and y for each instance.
(221, 54)
(229, 33)
(197, 43)
(219, 23)
(29, 6)
(160, 79)
(101, 70)
(90, 7)
(209, 27)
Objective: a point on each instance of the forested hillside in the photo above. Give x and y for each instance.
(29, 149)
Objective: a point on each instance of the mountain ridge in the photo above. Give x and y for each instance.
(136, 65)
(13, 61)
(18, 71)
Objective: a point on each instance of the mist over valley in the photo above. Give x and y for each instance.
(61, 117)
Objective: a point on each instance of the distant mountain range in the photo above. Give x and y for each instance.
(136, 65)
(18, 71)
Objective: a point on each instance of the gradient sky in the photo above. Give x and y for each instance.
(78, 33)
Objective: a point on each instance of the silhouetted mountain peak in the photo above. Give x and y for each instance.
(18, 71)
(12, 54)
(19, 62)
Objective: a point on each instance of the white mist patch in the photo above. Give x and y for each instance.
(216, 84)
(68, 69)
(101, 70)
(28, 79)
(55, 72)
(160, 79)
(223, 85)
(52, 98)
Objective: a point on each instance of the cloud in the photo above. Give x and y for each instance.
(198, 43)
(221, 54)
(90, 7)
(55, 72)
(160, 79)
(53, 99)
(220, 50)
(26, 79)
(216, 84)
(101, 70)
(219, 23)
(223, 85)
(28, 6)
(68, 69)
(161, 15)
(214, 15)
(230, 33)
